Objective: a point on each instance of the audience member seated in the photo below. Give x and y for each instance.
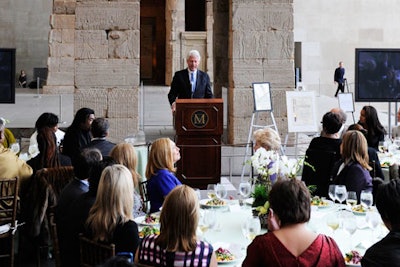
(289, 242)
(267, 138)
(110, 218)
(322, 154)
(160, 171)
(386, 252)
(396, 129)
(22, 79)
(125, 154)
(353, 170)
(78, 134)
(177, 241)
(77, 214)
(372, 154)
(10, 165)
(9, 138)
(49, 156)
(79, 185)
(49, 120)
(343, 119)
(99, 130)
(370, 121)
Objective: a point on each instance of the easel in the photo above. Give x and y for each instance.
(262, 103)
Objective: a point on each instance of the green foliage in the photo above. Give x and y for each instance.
(260, 195)
(312, 188)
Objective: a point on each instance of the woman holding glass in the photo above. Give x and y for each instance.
(289, 242)
(353, 169)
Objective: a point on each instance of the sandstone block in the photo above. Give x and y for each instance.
(94, 98)
(55, 89)
(61, 50)
(108, 15)
(122, 127)
(123, 103)
(61, 64)
(55, 36)
(62, 21)
(91, 44)
(124, 44)
(64, 6)
(60, 78)
(68, 36)
(110, 73)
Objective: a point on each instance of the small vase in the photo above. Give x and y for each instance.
(263, 219)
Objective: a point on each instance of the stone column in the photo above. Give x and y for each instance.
(261, 49)
(94, 53)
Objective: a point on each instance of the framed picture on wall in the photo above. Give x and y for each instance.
(262, 96)
(7, 75)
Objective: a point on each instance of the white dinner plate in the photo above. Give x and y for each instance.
(203, 204)
(141, 221)
(352, 265)
(235, 249)
(328, 202)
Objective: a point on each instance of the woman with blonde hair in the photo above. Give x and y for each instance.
(353, 169)
(160, 171)
(125, 154)
(110, 219)
(267, 138)
(177, 244)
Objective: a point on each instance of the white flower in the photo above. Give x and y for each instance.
(290, 167)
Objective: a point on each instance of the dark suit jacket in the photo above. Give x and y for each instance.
(103, 145)
(181, 87)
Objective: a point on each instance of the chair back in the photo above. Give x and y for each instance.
(144, 195)
(94, 253)
(51, 221)
(323, 163)
(8, 214)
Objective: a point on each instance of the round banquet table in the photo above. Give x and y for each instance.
(229, 220)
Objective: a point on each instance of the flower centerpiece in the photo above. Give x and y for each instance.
(270, 167)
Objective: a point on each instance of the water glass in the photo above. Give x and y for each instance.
(366, 198)
(251, 227)
(331, 192)
(340, 193)
(220, 191)
(245, 189)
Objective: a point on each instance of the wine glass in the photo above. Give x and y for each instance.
(198, 193)
(251, 227)
(331, 192)
(350, 226)
(210, 218)
(220, 191)
(211, 191)
(366, 198)
(351, 198)
(333, 221)
(340, 193)
(373, 219)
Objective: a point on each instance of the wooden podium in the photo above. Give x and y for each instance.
(199, 126)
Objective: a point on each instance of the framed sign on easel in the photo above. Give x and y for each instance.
(301, 113)
(262, 97)
(346, 103)
(262, 103)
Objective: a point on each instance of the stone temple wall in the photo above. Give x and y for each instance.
(261, 49)
(94, 54)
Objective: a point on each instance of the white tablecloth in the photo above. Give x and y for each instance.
(229, 231)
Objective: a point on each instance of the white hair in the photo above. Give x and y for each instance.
(194, 53)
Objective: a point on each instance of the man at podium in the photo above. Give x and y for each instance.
(190, 82)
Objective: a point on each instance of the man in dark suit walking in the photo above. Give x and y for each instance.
(339, 78)
(190, 82)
